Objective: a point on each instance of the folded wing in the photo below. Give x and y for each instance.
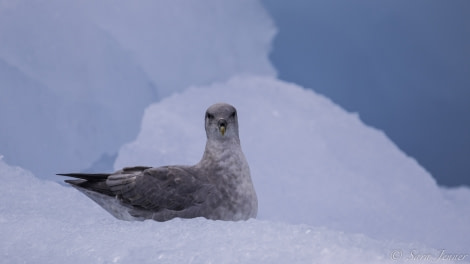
(143, 192)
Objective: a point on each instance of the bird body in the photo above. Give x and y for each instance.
(219, 187)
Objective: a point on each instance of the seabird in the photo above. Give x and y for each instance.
(219, 187)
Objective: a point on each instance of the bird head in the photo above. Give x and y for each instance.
(221, 122)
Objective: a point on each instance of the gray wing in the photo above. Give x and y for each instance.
(165, 188)
(143, 192)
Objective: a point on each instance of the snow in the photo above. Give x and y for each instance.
(76, 77)
(311, 162)
(44, 222)
(330, 190)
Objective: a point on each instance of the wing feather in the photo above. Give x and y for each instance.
(171, 188)
(160, 193)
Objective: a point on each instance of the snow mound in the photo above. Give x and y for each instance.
(75, 77)
(311, 162)
(44, 222)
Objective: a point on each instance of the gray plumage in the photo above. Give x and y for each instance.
(218, 187)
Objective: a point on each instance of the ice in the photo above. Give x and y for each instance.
(74, 81)
(311, 162)
(181, 43)
(44, 222)
(76, 76)
(331, 190)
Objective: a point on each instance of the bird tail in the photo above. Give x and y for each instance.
(94, 186)
(90, 181)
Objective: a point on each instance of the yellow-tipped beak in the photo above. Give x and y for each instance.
(222, 130)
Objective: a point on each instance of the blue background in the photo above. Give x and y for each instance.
(404, 66)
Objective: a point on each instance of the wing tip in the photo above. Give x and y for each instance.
(74, 182)
(86, 176)
(62, 174)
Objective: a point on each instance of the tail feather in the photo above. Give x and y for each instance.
(95, 185)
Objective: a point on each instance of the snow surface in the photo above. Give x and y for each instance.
(74, 81)
(311, 162)
(44, 222)
(75, 77)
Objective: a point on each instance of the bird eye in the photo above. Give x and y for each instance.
(233, 115)
(209, 116)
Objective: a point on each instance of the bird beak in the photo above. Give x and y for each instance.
(222, 126)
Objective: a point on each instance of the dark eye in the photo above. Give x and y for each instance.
(233, 115)
(209, 116)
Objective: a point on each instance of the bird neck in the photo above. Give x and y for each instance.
(217, 150)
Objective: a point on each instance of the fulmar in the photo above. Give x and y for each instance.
(219, 187)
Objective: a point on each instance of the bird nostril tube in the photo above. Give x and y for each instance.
(222, 123)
